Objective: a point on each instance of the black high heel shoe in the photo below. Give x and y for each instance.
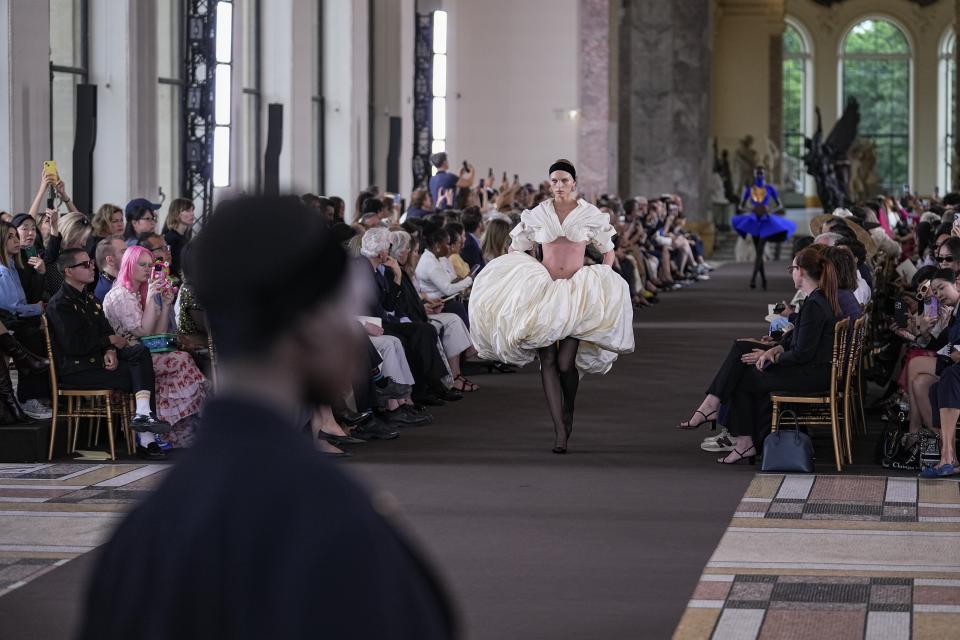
(711, 420)
(753, 285)
(750, 459)
(22, 357)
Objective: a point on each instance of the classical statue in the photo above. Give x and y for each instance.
(827, 160)
(864, 183)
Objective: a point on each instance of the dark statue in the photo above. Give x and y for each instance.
(827, 160)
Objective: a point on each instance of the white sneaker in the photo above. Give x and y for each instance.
(724, 433)
(36, 410)
(722, 444)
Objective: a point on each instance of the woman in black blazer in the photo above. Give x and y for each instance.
(801, 363)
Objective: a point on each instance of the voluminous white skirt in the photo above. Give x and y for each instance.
(517, 308)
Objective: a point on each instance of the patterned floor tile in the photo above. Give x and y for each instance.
(835, 557)
(51, 513)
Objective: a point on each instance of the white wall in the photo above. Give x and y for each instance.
(512, 78)
(123, 65)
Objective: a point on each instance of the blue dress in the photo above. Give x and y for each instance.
(762, 225)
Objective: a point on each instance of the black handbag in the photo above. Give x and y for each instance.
(788, 451)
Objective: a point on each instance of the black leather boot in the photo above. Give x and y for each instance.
(10, 411)
(21, 356)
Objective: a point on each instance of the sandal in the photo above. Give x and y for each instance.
(711, 419)
(465, 385)
(750, 459)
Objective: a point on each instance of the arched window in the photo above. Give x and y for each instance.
(796, 71)
(876, 71)
(947, 110)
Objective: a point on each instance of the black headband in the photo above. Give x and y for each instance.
(563, 166)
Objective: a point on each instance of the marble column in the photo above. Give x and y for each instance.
(776, 104)
(594, 143)
(665, 101)
(24, 100)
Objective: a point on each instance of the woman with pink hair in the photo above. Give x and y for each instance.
(141, 304)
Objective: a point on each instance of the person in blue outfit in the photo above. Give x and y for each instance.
(761, 200)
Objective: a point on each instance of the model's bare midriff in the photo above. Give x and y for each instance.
(562, 258)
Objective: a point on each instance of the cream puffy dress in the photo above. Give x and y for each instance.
(517, 308)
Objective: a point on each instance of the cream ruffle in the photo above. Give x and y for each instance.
(541, 225)
(517, 308)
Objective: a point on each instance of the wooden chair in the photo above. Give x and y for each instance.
(852, 392)
(102, 405)
(822, 408)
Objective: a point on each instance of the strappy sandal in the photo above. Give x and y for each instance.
(707, 419)
(750, 459)
(465, 385)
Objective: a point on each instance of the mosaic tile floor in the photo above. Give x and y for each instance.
(52, 513)
(840, 557)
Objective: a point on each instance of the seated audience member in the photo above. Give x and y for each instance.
(72, 231)
(160, 250)
(420, 204)
(140, 305)
(944, 394)
(110, 252)
(106, 222)
(419, 338)
(32, 267)
(923, 371)
(177, 230)
(22, 318)
(801, 363)
(415, 304)
(496, 239)
(141, 216)
(460, 268)
(325, 205)
(89, 354)
(437, 280)
(339, 208)
(473, 227)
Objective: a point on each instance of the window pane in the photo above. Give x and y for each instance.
(876, 36)
(792, 42)
(882, 88)
(63, 96)
(168, 139)
(65, 41)
(168, 38)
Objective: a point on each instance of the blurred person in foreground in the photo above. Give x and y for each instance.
(269, 535)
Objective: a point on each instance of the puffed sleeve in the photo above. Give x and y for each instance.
(522, 236)
(601, 235)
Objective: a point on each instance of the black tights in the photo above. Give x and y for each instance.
(759, 244)
(558, 371)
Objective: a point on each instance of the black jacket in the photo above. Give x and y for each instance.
(261, 538)
(811, 342)
(80, 332)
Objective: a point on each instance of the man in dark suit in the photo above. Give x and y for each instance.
(473, 226)
(89, 354)
(253, 534)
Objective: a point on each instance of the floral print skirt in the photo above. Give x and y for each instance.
(180, 391)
